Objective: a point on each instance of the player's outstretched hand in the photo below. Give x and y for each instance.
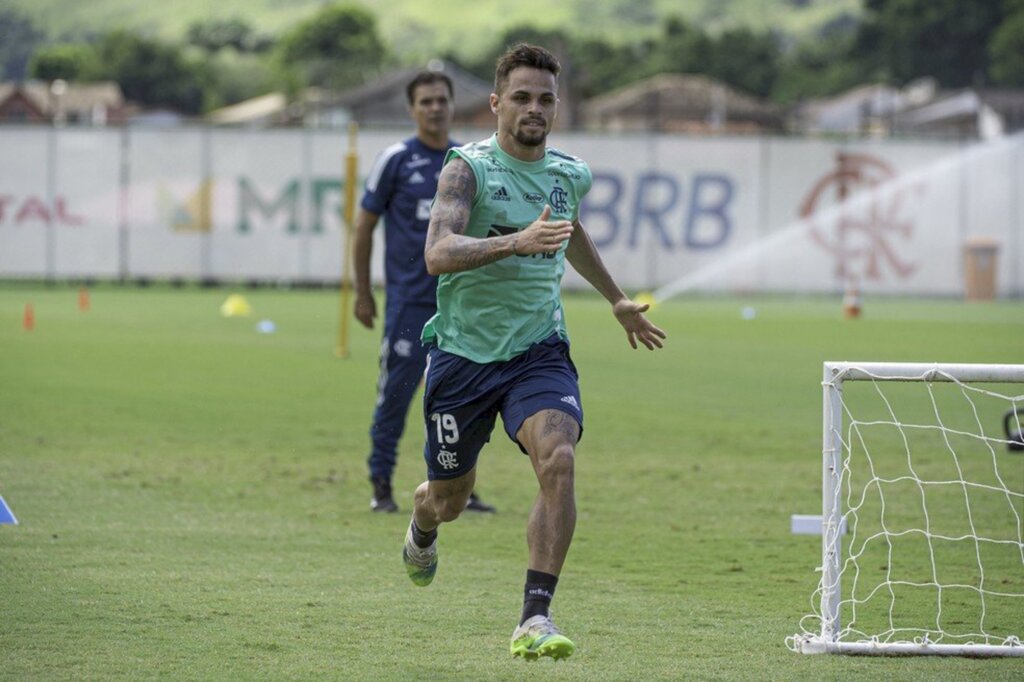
(638, 328)
(543, 235)
(365, 309)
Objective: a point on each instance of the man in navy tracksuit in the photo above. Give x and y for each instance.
(401, 186)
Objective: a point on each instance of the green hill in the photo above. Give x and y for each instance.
(416, 30)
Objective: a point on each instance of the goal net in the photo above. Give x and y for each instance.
(922, 512)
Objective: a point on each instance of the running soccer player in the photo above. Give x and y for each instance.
(505, 219)
(400, 187)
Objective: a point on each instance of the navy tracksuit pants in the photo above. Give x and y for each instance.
(402, 361)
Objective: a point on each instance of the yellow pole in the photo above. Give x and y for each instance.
(348, 231)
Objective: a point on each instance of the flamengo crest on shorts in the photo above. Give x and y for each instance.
(448, 460)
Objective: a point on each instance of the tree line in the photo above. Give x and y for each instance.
(220, 62)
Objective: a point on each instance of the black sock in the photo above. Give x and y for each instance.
(420, 538)
(537, 595)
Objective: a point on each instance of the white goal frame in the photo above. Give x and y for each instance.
(835, 373)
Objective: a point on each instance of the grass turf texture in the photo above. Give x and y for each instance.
(194, 505)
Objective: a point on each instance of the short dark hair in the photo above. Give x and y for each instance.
(523, 54)
(426, 78)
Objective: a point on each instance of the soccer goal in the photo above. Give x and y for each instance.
(922, 512)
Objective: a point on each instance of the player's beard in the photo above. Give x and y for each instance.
(532, 137)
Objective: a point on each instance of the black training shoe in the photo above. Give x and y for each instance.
(382, 500)
(474, 503)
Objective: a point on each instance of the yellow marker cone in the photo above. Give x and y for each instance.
(646, 297)
(235, 306)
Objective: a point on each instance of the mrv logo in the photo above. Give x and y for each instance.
(281, 207)
(677, 214)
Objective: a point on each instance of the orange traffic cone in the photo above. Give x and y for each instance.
(28, 321)
(852, 302)
(83, 299)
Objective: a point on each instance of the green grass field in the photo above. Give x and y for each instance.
(193, 502)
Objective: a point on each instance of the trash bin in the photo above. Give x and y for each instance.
(980, 268)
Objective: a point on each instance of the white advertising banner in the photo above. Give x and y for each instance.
(669, 213)
(27, 202)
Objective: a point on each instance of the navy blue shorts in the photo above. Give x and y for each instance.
(463, 398)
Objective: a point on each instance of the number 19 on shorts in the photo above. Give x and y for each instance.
(447, 428)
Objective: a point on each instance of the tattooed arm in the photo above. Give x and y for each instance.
(449, 249)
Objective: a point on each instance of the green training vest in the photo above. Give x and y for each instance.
(495, 312)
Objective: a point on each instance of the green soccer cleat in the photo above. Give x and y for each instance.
(538, 637)
(420, 562)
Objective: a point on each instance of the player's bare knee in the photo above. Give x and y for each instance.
(557, 466)
(422, 495)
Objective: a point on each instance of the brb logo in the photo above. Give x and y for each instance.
(861, 236)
